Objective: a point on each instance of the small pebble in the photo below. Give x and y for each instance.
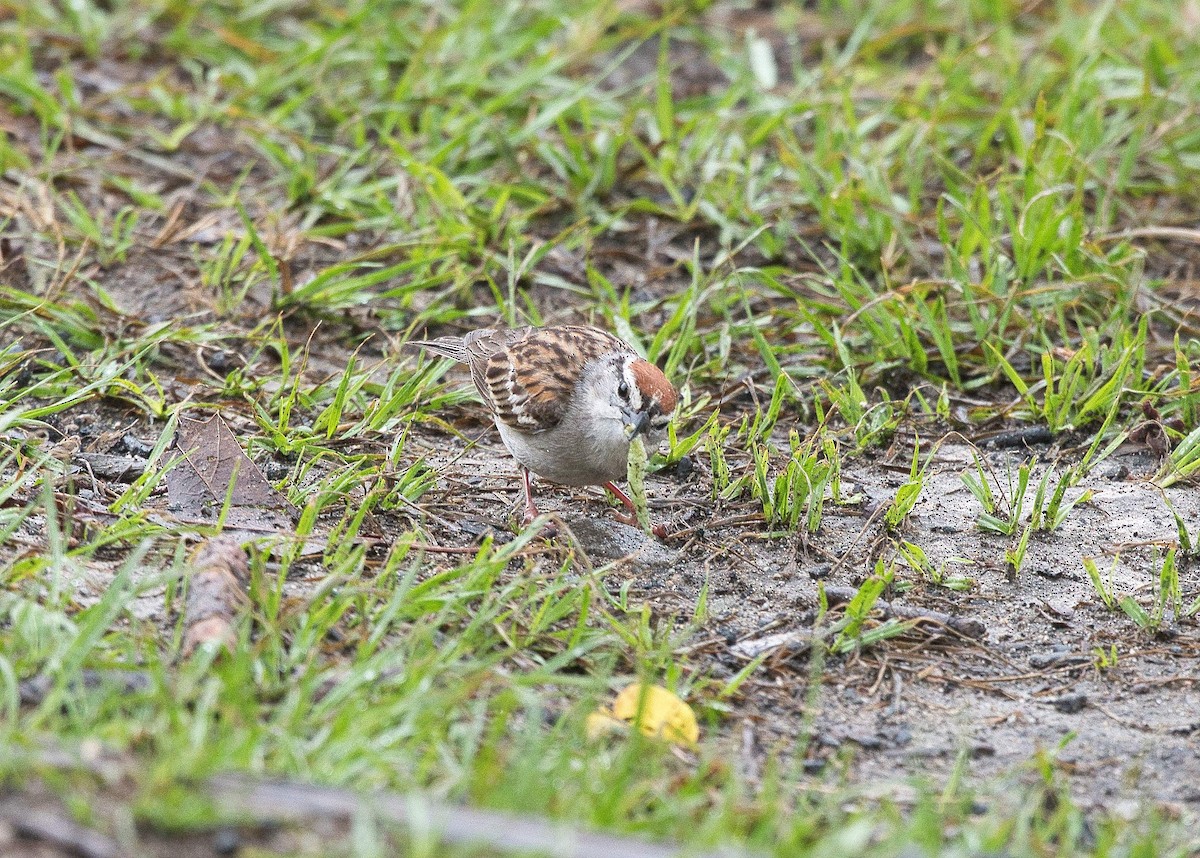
(605, 539)
(820, 571)
(680, 470)
(135, 446)
(1070, 703)
(1116, 472)
(226, 841)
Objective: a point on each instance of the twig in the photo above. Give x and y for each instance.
(1165, 233)
(216, 595)
(878, 512)
(113, 469)
(277, 801)
(1008, 438)
(745, 518)
(968, 626)
(443, 549)
(35, 824)
(36, 689)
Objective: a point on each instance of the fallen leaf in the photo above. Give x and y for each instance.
(656, 712)
(213, 461)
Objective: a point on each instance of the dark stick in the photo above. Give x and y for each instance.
(1025, 437)
(968, 626)
(35, 824)
(34, 690)
(284, 801)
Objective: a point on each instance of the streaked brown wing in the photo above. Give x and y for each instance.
(528, 373)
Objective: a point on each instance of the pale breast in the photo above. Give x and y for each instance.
(571, 458)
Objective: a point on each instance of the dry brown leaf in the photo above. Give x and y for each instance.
(213, 460)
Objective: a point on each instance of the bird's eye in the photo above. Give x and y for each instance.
(623, 390)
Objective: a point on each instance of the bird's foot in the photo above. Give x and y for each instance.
(658, 530)
(549, 529)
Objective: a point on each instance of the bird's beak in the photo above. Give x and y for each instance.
(636, 424)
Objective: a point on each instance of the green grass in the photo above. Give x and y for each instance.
(909, 210)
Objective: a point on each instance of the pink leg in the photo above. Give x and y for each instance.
(622, 497)
(531, 510)
(658, 530)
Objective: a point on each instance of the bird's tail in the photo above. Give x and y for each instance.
(454, 348)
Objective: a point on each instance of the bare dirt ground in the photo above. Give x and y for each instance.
(1034, 680)
(915, 705)
(1041, 676)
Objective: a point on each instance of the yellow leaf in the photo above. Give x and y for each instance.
(657, 712)
(602, 723)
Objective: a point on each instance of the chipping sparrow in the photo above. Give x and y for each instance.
(567, 399)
